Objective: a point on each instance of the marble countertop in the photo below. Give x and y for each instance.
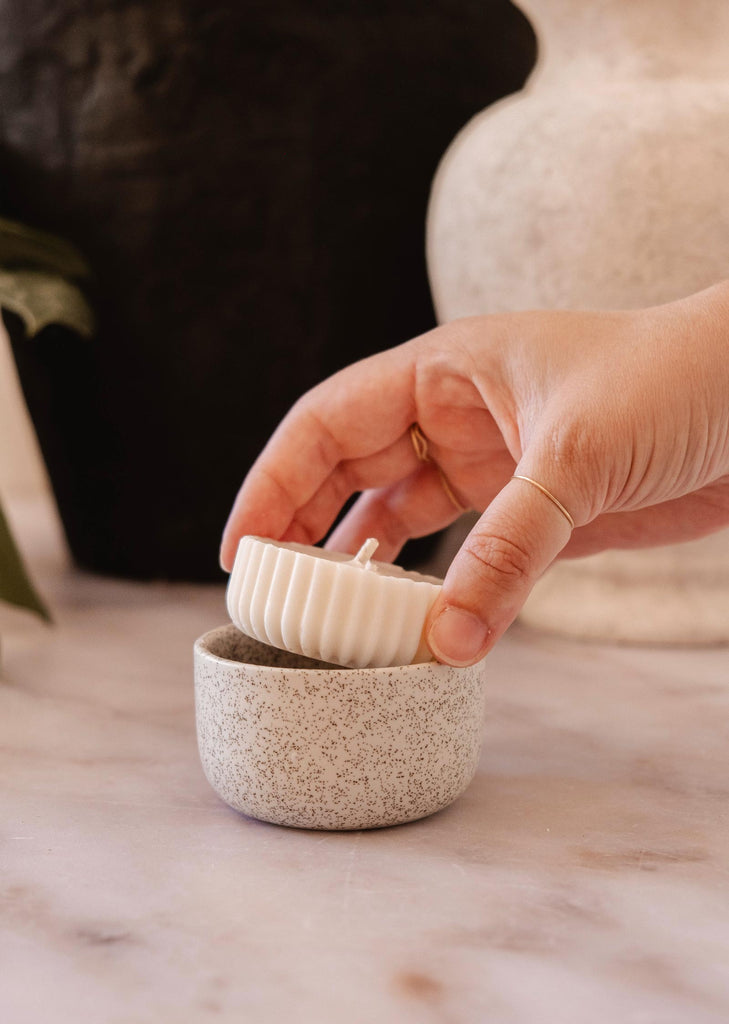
(584, 876)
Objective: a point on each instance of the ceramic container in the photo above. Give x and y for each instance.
(297, 742)
(602, 184)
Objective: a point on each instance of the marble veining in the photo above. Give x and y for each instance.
(583, 875)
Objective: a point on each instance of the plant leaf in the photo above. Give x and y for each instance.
(41, 298)
(15, 584)
(21, 246)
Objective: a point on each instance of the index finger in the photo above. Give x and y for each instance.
(357, 412)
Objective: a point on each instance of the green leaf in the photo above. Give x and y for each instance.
(21, 246)
(15, 584)
(41, 298)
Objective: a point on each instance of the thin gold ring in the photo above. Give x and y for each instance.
(548, 494)
(420, 444)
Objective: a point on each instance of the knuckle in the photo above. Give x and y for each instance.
(572, 444)
(581, 455)
(345, 482)
(501, 561)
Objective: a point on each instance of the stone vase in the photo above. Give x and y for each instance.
(602, 184)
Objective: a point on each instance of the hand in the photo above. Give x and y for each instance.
(624, 417)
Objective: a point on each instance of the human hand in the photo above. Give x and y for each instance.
(624, 417)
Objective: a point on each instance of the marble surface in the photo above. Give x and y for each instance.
(583, 876)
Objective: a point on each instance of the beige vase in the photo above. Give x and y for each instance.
(603, 184)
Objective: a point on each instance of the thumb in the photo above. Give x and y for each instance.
(515, 540)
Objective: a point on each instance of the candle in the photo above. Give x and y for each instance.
(326, 605)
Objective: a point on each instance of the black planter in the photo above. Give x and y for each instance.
(249, 183)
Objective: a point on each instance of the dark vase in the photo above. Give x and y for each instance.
(249, 183)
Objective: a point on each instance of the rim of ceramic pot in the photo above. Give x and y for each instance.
(202, 647)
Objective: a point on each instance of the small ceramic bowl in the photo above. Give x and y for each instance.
(298, 742)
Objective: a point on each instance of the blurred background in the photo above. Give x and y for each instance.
(248, 182)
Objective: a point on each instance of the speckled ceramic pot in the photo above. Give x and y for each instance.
(302, 743)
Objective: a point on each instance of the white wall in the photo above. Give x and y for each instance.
(22, 473)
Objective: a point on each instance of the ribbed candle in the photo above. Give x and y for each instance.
(326, 605)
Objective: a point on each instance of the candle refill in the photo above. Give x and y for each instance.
(353, 612)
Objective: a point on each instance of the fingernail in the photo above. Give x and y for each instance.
(457, 637)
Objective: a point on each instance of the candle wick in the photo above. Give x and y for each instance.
(366, 552)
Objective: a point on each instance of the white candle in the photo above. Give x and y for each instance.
(330, 606)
